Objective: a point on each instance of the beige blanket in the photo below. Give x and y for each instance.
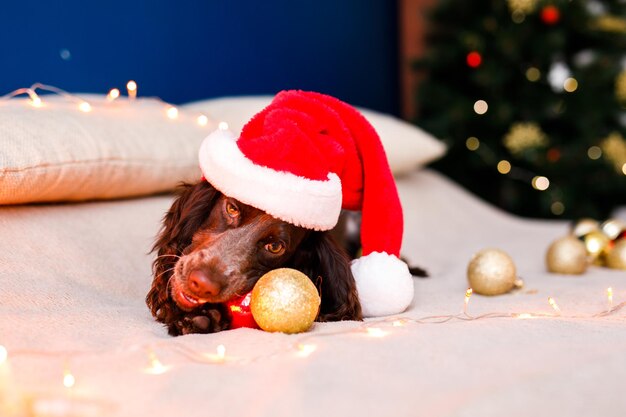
(73, 279)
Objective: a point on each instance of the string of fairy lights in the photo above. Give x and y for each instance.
(71, 405)
(303, 345)
(300, 346)
(36, 100)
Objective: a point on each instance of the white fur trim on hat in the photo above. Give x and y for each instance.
(300, 201)
(384, 284)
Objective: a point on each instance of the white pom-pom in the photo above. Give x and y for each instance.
(384, 283)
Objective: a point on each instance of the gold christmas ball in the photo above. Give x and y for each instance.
(616, 258)
(567, 255)
(491, 272)
(284, 300)
(584, 226)
(613, 228)
(597, 244)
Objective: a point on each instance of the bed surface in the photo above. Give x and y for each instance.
(73, 278)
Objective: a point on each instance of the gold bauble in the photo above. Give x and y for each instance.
(613, 228)
(597, 244)
(567, 255)
(616, 258)
(284, 300)
(584, 226)
(491, 272)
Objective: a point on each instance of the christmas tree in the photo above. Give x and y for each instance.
(530, 96)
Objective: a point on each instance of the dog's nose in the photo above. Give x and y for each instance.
(201, 285)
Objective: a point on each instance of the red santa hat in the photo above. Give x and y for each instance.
(302, 159)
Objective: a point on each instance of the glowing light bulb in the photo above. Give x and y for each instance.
(557, 208)
(202, 120)
(172, 113)
(524, 316)
(131, 87)
(472, 143)
(624, 169)
(594, 152)
(221, 352)
(218, 357)
(504, 167)
(4, 354)
(84, 107)
(113, 94)
(554, 305)
(540, 183)
(223, 126)
(468, 295)
(481, 107)
(35, 101)
(609, 296)
(474, 59)
(375, 332)
(68, 379)
(570, 85)
(398, 323)
(304, 350)
(518, 16)
(533, 74)
(156, 367)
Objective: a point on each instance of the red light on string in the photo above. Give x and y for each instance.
(474, 59)
(550, 15)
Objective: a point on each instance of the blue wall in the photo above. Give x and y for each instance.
(183, 50)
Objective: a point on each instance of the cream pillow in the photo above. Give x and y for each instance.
(58, 153)
(407, 146)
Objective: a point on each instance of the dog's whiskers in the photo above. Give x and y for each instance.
(168, 287)
(167, 270)
(169, 255)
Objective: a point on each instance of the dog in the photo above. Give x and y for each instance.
(296, 164)
(212, 248)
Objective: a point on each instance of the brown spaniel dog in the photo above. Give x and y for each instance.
(213, 248)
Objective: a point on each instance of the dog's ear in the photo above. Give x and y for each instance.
(328, 266)
(190, 209)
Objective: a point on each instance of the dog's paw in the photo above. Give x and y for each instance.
(207, 320)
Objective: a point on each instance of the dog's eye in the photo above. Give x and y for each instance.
(275, 247)
(232, 210)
